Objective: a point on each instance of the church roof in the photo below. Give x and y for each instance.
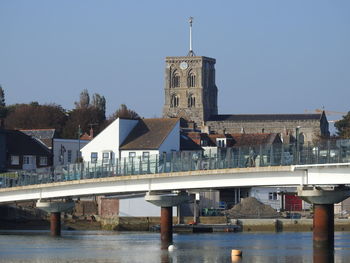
(265, 117)
(149, 134)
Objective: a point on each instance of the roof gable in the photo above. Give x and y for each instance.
(149, 134)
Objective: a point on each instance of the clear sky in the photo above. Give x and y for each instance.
(272, 56)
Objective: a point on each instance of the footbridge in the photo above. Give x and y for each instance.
(294, 175)
(321, 173)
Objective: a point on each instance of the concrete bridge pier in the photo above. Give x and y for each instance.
(323, 200)
(166, 202)
(55, 208)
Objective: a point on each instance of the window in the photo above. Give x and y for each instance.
(105, 157)
(221, 142)
(175, 80)
(27, 159)
(43, 160)
(191, 80)
(94, 156)
(174, 101)
(145, 156)
(191, 101)
(273, 196)
(69, 153)
(132, 154)
(14, 160)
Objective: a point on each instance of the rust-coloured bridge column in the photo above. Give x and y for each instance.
(166, 225)
(55, 223)
(323, 225)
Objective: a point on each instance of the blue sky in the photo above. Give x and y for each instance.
(272, 56)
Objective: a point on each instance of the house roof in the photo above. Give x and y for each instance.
(235, 140)
(45, 136)
(255, 139)
(187, 144)
(265, 117)
(19, 143)
(149, 134)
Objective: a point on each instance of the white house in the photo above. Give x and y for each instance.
(126, 139)
(105, 146)
(151, 137)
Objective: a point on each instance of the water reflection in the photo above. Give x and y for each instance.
(323, 255)
(88, 246)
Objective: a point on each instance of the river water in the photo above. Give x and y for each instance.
(105, 246)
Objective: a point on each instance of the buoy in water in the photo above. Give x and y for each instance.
(236, 252)
(171, 248)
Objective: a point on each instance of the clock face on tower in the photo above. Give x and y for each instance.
(183, 65)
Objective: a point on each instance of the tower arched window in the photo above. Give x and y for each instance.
(174, 102)
(191, 101)
(175, 80)
(191, 80)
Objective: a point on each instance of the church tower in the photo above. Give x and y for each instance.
(190, 90)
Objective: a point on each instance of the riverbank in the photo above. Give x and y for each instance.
(205, 224)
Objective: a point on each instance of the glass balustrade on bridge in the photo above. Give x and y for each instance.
(337, 151)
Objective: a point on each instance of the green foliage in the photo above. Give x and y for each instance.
(343, 126)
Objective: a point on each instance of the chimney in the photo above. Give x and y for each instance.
(91, 133)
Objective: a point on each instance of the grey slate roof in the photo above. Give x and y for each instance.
(45, 136)
(19, 143)
(149, 134)
(265, 117)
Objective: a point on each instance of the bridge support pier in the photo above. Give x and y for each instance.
(323, 200)
(166, 202)
(55, 209)
(166, 225)
(55, 223)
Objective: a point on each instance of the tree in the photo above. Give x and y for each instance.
(125, 113)
(2, 97)
(84, 101)
(3, 110)
(85, 118)
(99, 102)
(343, 126)
(36, 116)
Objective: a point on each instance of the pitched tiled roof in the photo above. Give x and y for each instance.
(265, 117)
(149, 134)
(255, 139)
(19, 143)
(187, 144)
(235, 140)
(43, 135)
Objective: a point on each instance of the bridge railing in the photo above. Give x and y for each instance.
(211, 158)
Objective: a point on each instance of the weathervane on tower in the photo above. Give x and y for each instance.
(190, 53)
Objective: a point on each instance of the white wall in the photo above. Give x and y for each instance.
(262, 194)
(125, 153)
(139, 207)
(109, 139)
(66, 145)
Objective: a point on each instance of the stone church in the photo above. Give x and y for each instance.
(191, 93)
